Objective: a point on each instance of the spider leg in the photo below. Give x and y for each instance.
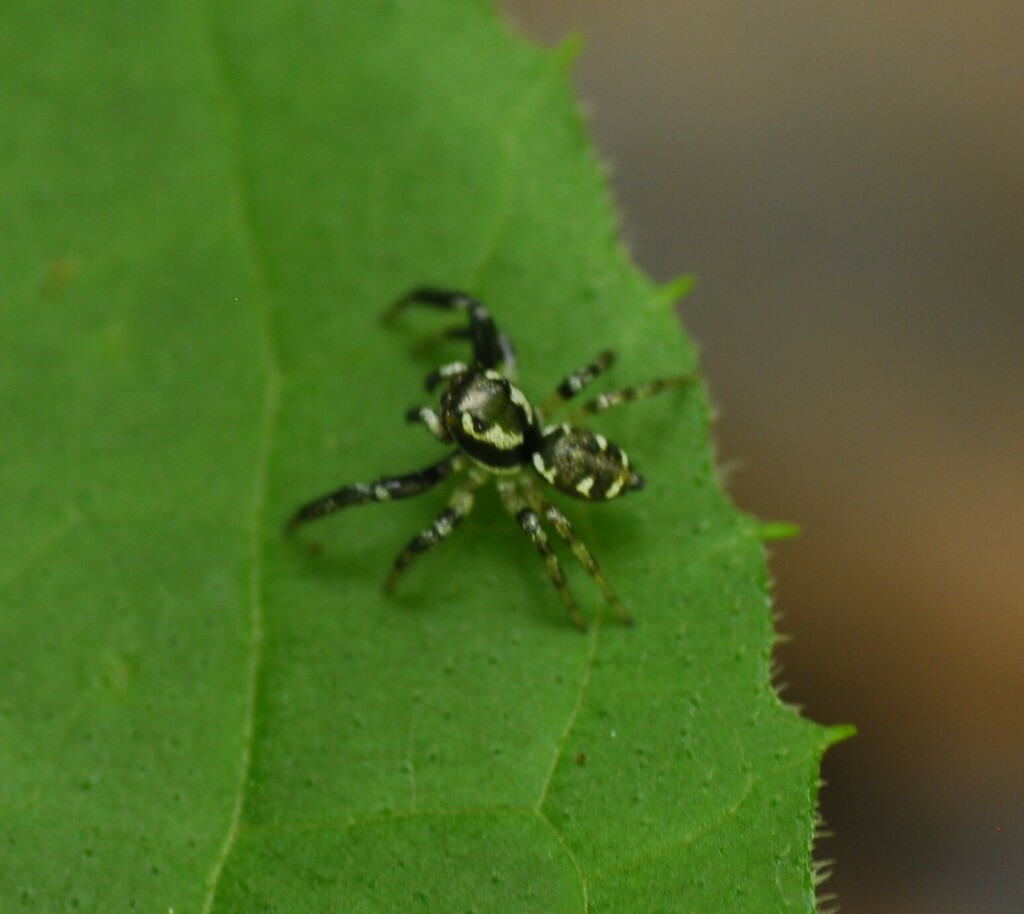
(527, 518)
(579, 549)
(424, 415)
(426, 344)
(491, 348)
(451, 370)
(573, 383)
(459, 505)
(386, 489)
(628, 394)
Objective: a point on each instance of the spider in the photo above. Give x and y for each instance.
(498, 433)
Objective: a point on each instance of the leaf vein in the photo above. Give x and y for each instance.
(46, 544)
(698, 834)
(573, 714)
(241, 205)
(508, 133)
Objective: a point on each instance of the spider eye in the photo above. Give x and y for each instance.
(472, 425)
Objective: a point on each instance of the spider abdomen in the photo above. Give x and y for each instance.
(584, 464)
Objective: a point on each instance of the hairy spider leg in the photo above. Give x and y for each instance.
(491, 348)
(386, 489)
(579, 549)
(528, 519)
(628, 394)
(573, 383)
(459, 505)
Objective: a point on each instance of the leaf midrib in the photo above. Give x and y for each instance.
(241, 211)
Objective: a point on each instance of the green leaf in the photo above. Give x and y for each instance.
(204, 208)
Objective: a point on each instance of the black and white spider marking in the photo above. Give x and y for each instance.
(498, 432)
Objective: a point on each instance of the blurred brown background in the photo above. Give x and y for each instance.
(847, 181)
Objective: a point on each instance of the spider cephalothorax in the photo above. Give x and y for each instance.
(498, 432)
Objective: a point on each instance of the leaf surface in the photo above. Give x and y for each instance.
(204, 211)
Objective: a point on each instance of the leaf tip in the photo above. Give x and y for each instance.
(570, 49)
(839, 733)
(676, 289)
(777, 530)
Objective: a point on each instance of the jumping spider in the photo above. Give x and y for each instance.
(497, 431)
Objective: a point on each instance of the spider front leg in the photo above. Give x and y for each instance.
(527, 518)
(491, 348)
(459, 505)
(386, 489)
(444, 373)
